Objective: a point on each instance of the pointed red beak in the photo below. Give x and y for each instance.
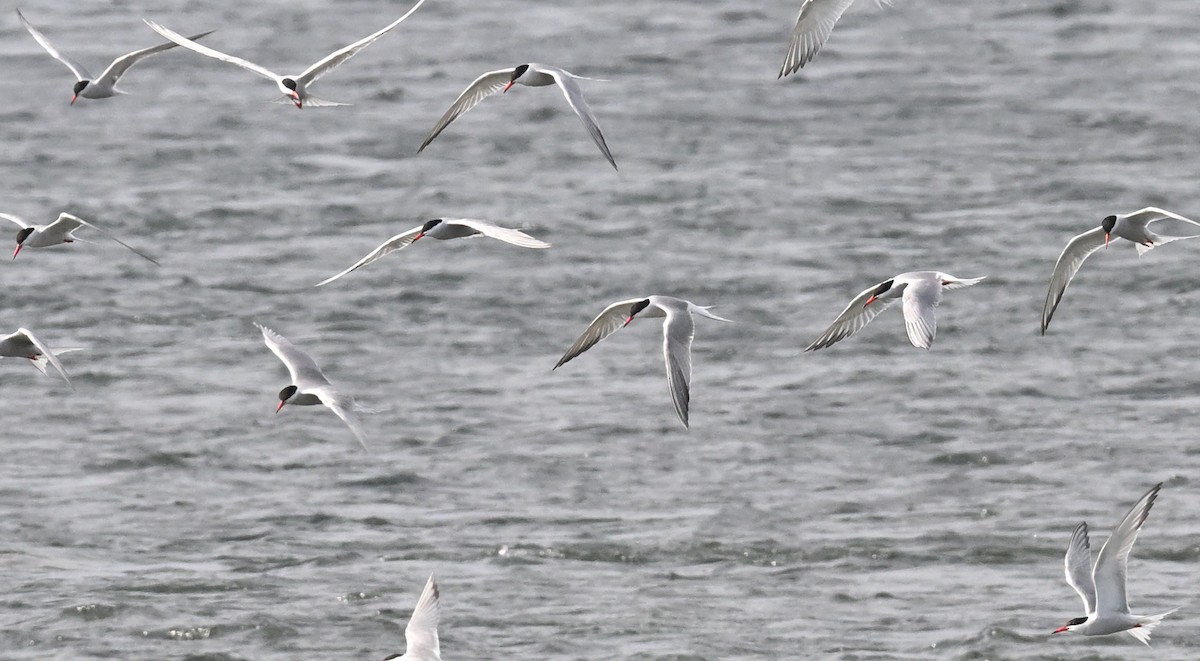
(628, 320)
(73, 97)
(1106, 239)
(418, 237)
(510, 84)
(1059, 630)
(870, 300)
(17, 251)
(281, 402)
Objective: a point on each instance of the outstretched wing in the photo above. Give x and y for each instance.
(1078, 249)
(483, 87)
(1109, 573)
(813, 27)
(507, 235)
(570, 88)
(606, 323)
(342, 406)
(210, 52)
(46, 353)
(853, 319)
(122, 64)
(921, 299)
(69, 223)
(301, 367)
(13, 219)
(678, 331)
(421, 636)
(1078, 568)
(391, 245)
(75, 67)
(331, 61)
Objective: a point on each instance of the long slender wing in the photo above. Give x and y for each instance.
(46, 353)
(483, 87)
(421, 636)
(391, 245)
(813, 27)
(210, 52)
(853, 319)
(70, 223)
(505, 234)
(921, 299)
(331, 61)
(570, 88)
(1078, 249)
(343, 407)
(13, 219)
(678, 331)
(75, 67)
(1109, 574)
(302, 368)
(1151, 214)
(122, 64)
(1078, 567)
(605, 324)
(42, 361)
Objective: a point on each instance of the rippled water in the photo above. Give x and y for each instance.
(870, 501)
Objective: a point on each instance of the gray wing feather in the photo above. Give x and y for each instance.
(1109, 573)
(605, 324)
(505, 234)
(679, 329)
(343, 407)
(813, 27)
(920, 319)
(391, 245)
(122, 64)
(421, 636)
(574, 95)
(853, 319)
(47, 354)
(13, 219)
(76, 68)
(71, 223)
(483, 87)
(1078, 568)
(331, 61)
(1078, 249)
(303, 369)
(210, 52)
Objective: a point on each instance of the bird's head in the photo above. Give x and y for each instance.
(1107, 225)
(517, 73)
(289, 86)
(77, 89)
(284, 395)
(21, 236)
(429, 224)
(637, 307)
(1071, 624)
(879, 291)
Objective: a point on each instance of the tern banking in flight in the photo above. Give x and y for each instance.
(59, 232)
(421, 636)
(1102, 588)
(309, 386)
(24, 344)
(294, 87)
(921, 291)
(678, 330)
(1133, 227)
(444, 228)
(813, 26)
(532, 75)
(106, 85)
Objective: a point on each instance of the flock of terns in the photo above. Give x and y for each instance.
(1101, 587)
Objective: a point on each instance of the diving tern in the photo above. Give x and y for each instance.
(24, 344)
(309, 386)
(106, 85)
(921, 291)
(62, 230)
(679, 327)
(444, 229)
(532, 75)
(294, 87)
(1102, 588)
(813, 26)
(1133, 227)
(421, 636)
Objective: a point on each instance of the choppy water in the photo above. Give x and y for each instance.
(871, 501)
